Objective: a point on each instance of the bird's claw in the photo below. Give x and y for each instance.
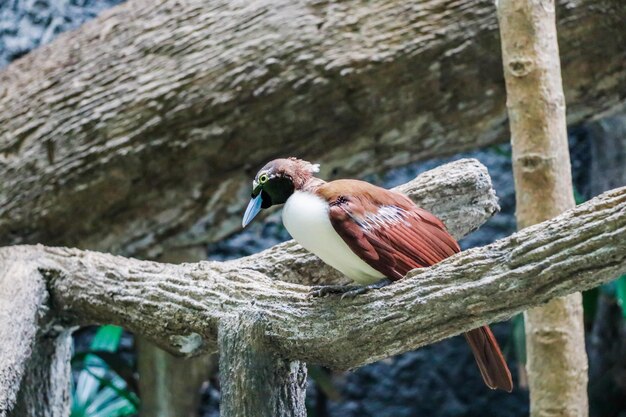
(326, 290)
(346, 291)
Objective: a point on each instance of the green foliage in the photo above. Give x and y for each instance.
(99, 390)
(620, 293)
(519, 338)
(617, 289)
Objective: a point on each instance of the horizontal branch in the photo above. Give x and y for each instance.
(459, 192)
(179, 306)
(190, 98)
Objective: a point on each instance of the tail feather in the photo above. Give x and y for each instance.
(489, 358)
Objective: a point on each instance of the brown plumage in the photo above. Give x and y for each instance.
(392, 235)
(385, 230)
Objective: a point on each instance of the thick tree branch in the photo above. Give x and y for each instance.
(180, 307)
(135, 111)
(459, 192)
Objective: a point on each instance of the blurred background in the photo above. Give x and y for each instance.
(117, 375)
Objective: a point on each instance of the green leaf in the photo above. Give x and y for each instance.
(620, 293)
(99, 391)
(519, 338)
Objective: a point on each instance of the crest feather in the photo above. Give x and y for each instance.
(306, 165)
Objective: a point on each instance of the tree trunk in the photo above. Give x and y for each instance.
(556, 357)
(255, 380)
(36, 349)
(45, 389)
(158, 114)
(170, 386)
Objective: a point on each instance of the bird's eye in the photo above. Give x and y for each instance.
(263, 178)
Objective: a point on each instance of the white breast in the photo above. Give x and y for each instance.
(305, 216)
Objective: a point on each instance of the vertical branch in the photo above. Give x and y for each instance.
(170, 386)
(45, 389)
(34, 356)
(557, 362)
(255, 381)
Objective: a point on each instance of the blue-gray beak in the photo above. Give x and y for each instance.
(254, 206)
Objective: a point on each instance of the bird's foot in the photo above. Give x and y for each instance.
(324, 290)
(346, 291)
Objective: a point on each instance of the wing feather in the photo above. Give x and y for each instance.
(392, 238)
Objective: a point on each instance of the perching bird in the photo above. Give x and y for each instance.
(370, 234)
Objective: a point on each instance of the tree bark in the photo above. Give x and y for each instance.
(255, 380)
(181, 307)
(170, 386)
(460, 193)
(35, 349)
(555, 340)
(135, 111)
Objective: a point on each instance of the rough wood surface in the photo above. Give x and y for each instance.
(460, 193)
(35, 350)
(556, 361)
(254, 380)
(135, 111)
(179, 307)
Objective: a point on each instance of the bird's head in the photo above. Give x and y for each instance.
(275, 182)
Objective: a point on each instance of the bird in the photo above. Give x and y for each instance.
(372, 235)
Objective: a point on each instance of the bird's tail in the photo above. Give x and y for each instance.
(489, 358)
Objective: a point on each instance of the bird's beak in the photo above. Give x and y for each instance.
(254, 206)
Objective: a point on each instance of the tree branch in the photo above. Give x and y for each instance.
(179, 307)
(459, 192)
(255, 382)
(151, 97)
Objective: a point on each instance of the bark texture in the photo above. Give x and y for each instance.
(460, 193)
(135, 111)
(555, 340)
(35, 349)
(255, 381)
(170, 386)
(181, 307)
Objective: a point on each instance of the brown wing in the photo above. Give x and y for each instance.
(393, 236)
(388, 231)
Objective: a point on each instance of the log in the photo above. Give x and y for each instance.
(158, 115)
(179, 307)
(460, 193)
